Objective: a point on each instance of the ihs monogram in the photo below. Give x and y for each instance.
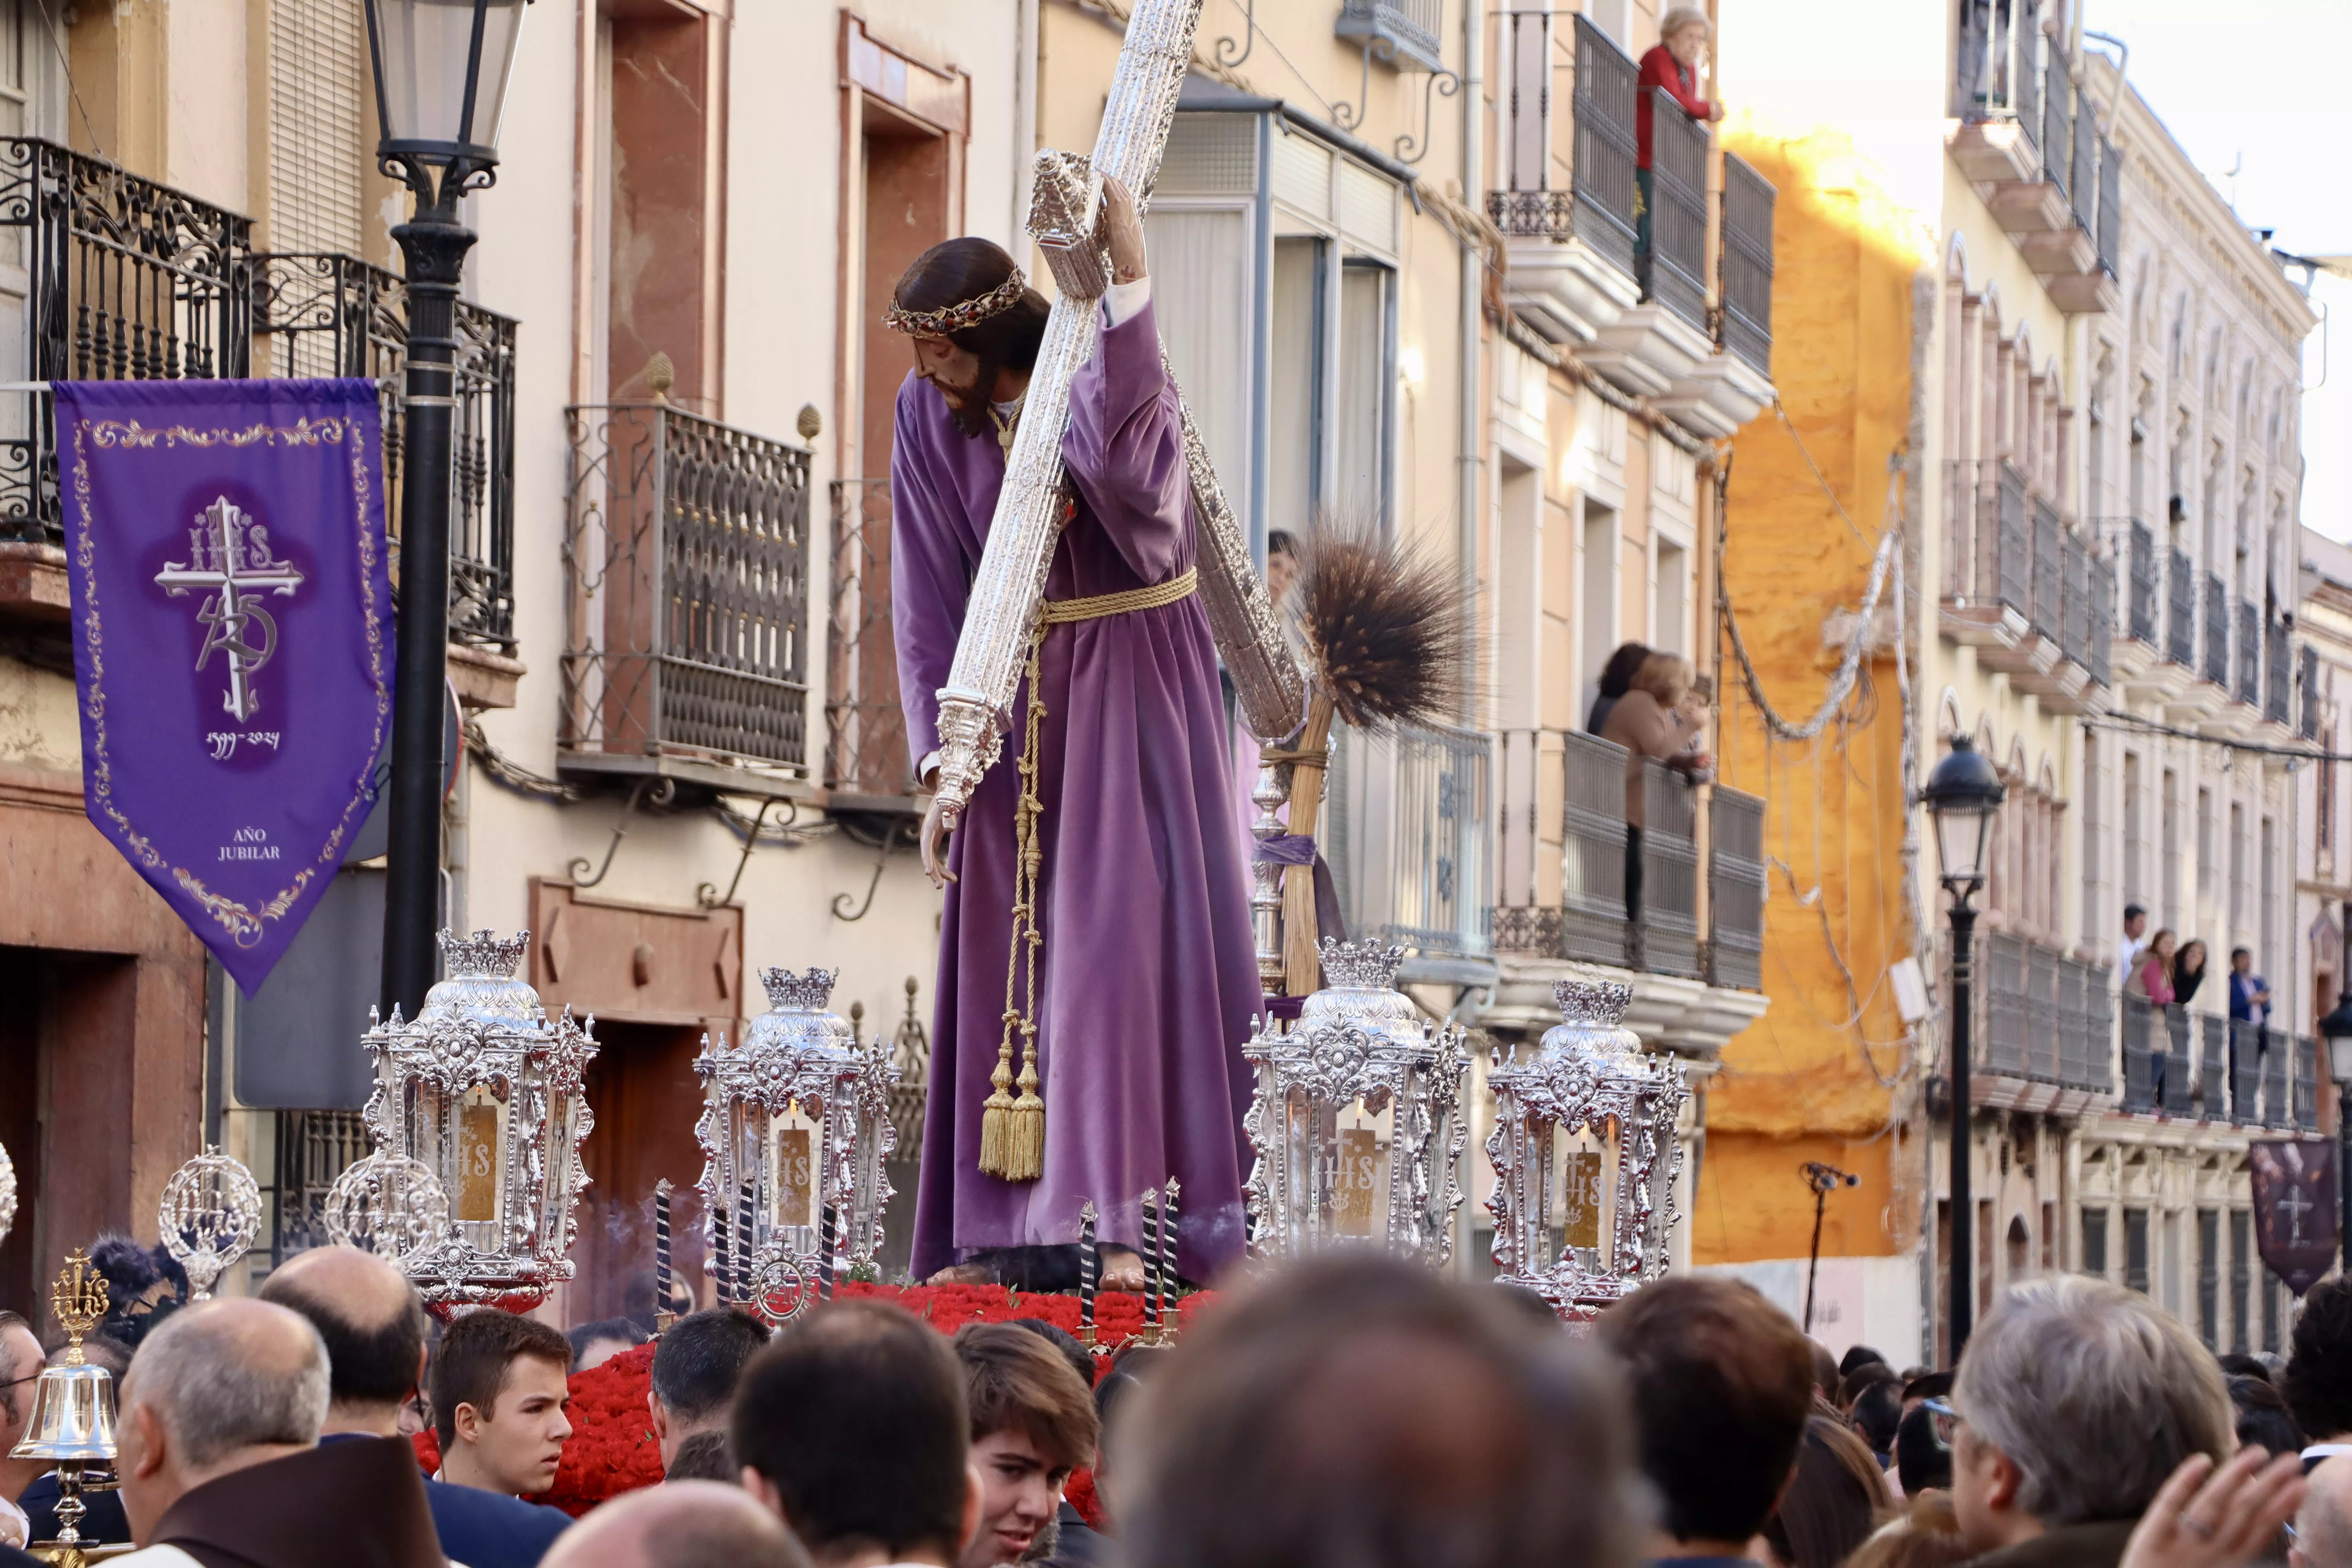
(230, 562)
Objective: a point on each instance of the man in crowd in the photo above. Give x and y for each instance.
(1032, 1422)
(685, 1524)
(696, 1367)
(1355, 1410)
(2077, 1400)
(499, 1397)
(372, 1322)
(219, 1461)
(2318, 1378)
(2135, 933)
(1722, 1383)
(2250, 994)
(851, 1428)
(20, 1371)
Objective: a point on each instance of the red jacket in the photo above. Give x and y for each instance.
(1660, 69)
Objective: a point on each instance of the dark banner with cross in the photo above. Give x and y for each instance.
(233, 639)
(2294, 1207)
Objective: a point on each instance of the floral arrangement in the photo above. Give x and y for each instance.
(611, 1448)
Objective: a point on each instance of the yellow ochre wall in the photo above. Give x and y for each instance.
(1797, 1085)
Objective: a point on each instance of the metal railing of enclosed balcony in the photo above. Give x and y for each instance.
(1606, 151)
(2044, 1021)
(1562, 885)
(123, 280)
(1744, 264)
(866, 728)
(329, 314)
(685, 567)
(1998, 74)
(2216, 668)
(2216, 1069)
(1674, 268)
(2131, 547)
(1990, 566)
(2307, 720)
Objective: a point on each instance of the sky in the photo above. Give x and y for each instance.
(2261, 87)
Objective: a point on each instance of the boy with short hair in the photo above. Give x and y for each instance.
(499, 1397)
(1032, 1422)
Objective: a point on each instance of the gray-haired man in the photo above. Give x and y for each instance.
(2077, 1400)
(219, 1461)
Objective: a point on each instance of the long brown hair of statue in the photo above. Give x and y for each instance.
(1388, 624)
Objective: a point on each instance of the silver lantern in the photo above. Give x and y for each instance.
(1585, 1155)
(485, 1091)
(1357, 1122)
(795, 1127)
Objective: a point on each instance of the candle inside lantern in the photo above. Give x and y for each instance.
(1089, 1271)
(825, 1262)
(1165, 1272)
(746, 1261)
(661, 1254)
(1150, 1260)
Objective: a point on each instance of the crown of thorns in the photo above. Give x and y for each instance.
(964, 313)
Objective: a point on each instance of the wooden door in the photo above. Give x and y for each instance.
(647, 1099)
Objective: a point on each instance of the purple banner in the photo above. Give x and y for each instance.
(2294, 1207)
(233, 638)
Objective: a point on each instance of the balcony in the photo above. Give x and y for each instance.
(2248, 688)
(866, 760)
(1696, 975)
(2278, 663)
(2025, 589)
(324, 314)
(2031, 144)
(2216, 668)
(2043, 1026)
(1579, 271)
(685, 578)
(2180, 611)
(2306, 724)
(1407, 824)
(2206, 1067)
(1408, 30)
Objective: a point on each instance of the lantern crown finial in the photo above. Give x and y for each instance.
(808, 992)
(1591, 999)
(1360, 966)
(485, 956)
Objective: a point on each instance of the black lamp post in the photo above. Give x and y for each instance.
(2337, 1029)
(441, 73)
(1963, 797)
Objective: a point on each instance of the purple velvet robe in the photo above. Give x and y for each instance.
(1149, 985)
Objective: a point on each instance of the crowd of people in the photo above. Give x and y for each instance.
(1348, 1410)
(2160, 969)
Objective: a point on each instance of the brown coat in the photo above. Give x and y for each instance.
(356, 1505)
(2098, 1545)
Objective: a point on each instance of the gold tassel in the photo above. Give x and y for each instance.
(995, 1114)
(1024, 1148)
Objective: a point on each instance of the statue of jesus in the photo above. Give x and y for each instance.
(1097, 973)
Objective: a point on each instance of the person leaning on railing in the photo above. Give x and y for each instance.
(1672, 64)
(1658, 717)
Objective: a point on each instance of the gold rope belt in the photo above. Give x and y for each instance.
(1012, 1126)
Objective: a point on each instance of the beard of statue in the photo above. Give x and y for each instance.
(969, 401)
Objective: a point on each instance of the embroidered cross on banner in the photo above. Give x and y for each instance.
(229, 562)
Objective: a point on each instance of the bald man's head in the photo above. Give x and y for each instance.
(369, 1317)
(679, 1524)
(2324, 1529)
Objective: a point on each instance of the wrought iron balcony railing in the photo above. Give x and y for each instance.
(1413, 29)
(1990, 564)
(1674, 269)
(2278, 672)
(124, 280)
(2042, 1020)
(2102, 620)
(2216, 1069)
(2181, 610)
(1606, 151)
(1998, 74)
(1744, 264)
(685, 567)
(2217, 632)
(326, 314)
(2248, 690)
(2307, 667)
(866, 728)
(2131, 543)
(1409, 819)
(1735, 938)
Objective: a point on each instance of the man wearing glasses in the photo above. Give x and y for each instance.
(20, 1370)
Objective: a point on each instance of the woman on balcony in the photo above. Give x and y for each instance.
(1672, 66)
(2151, 975)
(2188, 971)
(1658, 718)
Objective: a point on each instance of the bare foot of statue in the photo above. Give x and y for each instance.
(1122, 1270)
(964, 1274)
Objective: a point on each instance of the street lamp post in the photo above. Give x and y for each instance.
(1963, 796)
(2337, 1029)
(441, 73)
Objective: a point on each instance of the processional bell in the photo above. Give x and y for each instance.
(73, 1411)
